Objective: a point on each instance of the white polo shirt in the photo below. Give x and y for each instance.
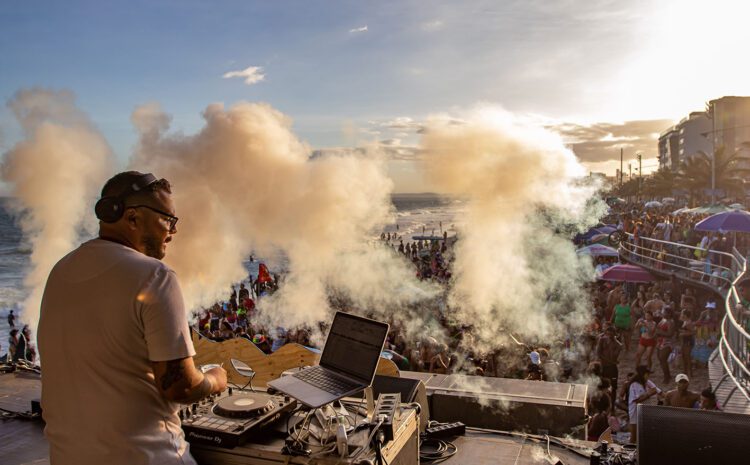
(107, 312)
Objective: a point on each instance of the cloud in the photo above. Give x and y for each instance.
(390, 149)
(592, 143)
(599, 142)
(430, 26)
(252, 75)
(358, 29)
(401, 122)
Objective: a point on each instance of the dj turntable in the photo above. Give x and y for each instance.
(229, 419)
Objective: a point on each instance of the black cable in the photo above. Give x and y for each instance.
(443, 450)
(6, 414)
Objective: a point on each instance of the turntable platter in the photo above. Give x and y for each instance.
(243, 406)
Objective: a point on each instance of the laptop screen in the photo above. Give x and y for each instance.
(353, 346)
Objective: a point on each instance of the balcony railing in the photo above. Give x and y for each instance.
(720, 271)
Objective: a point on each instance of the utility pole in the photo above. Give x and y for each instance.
(640, 173)
(713, 177)
(620, 166)
(630, 171)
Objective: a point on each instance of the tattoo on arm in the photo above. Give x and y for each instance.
(173, 374)
(176, 380)
(198, 392)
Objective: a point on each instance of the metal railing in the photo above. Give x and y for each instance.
(718, 270)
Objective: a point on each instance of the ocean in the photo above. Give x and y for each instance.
(416, 214)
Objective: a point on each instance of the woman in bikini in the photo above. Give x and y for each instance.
(646, 328)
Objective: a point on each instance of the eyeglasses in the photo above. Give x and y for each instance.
(171, 218)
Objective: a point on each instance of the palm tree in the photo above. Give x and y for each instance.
(661, 183)
(628, 188)
(694, 174)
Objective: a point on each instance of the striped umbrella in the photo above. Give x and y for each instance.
(598, 250)
(627, 273)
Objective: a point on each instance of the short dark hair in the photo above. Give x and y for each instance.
(601, 402)
(122, 182)
(708, 394)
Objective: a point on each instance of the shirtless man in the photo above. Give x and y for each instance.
(654, 305)
(682, 396)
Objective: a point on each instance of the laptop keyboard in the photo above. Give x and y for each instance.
(321, 379)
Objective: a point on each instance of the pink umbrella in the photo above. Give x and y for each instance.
(628, 273)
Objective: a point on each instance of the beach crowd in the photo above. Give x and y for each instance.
(666, 329)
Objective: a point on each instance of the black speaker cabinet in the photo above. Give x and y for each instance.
(536, 407)
(688, 436)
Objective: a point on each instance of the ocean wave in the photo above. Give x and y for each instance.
(11, 297)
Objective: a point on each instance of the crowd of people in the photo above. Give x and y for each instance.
(672, 321)
(430, 255)
(693, 251)
(632, 326)
(667, 327)
(20, 342)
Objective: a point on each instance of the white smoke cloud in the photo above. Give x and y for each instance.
(358, 30)
(245, 183)
(54, 174)
(509, 261)
(251, 74)
(432, 26)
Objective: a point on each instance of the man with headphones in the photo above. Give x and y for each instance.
(114, 339)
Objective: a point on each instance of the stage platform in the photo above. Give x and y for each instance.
(22, 441)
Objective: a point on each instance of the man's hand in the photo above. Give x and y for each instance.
(219, 379)
(179, 380)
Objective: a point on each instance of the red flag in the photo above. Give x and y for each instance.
(263, 275)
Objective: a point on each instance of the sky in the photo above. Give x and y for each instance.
(604, 74)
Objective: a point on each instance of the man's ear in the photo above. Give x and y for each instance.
(132, 218)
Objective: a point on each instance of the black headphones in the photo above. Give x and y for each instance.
(111, 208)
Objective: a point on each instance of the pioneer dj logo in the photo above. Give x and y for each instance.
(215, 439)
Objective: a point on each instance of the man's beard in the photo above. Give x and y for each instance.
(152, 247)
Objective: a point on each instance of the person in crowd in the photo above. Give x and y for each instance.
(682, 396)
(599, 422)
(29, 352)
(14, 340)
(686, 333)
(440, 361)
(614, 297)
(534, 373)
(708, 400)
(114, 337)
(608, 350)
(233, 300)
(262, 342)
(225, 330)
(655, 305)
(243, 294)
(11, 319)
(638, 305)
(666, 330)
(640, 389)
(622, 320)
(646, 328)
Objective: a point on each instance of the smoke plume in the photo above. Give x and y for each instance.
(513, 270)
(55, 174)
(244, 184)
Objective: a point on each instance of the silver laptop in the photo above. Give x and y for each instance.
(347, 364)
